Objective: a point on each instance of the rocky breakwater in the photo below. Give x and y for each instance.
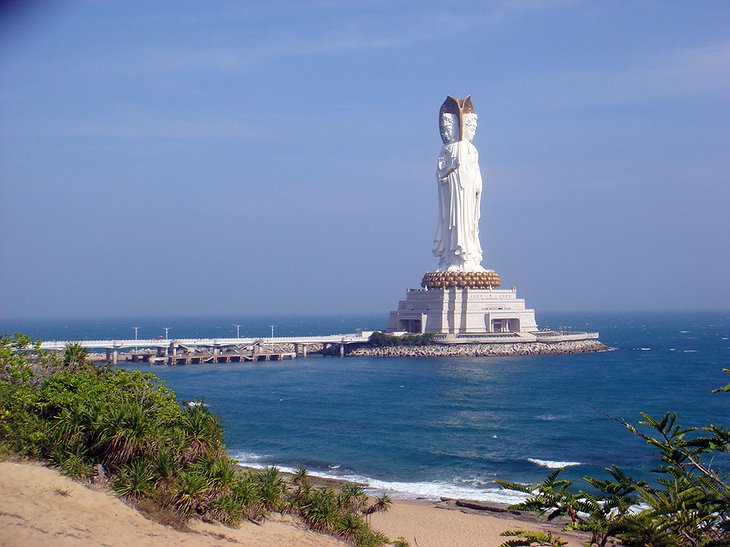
(481, 350)
(288, 347)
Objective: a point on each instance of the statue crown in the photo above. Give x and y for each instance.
(458, 107)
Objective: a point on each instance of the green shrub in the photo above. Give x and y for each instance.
(688, 505)
(380, 339)
(135, 480)
(168, 460)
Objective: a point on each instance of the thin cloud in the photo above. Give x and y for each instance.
(232, 58)
(677, 74)
(362, 31)
(146, 129)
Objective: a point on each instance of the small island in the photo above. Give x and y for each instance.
(461, 306)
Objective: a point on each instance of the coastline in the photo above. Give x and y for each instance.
(427, 522)
(38, 506)
(482, 350)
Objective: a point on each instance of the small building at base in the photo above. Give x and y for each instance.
(462, 311)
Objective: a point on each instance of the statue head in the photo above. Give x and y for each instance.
(470, 126)
(458, 109)
(449, 127)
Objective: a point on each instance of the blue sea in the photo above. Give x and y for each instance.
(446, 426)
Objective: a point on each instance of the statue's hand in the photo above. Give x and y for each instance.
(447, 165)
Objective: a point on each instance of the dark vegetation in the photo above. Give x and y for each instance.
(128, 429)
(379, 339)
(689, 505)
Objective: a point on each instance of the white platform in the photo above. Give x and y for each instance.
(462, 312)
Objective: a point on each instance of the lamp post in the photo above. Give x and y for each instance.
(238, 331)
(166, 330)
(135, 338)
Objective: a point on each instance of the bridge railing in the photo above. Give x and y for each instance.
(157, 342)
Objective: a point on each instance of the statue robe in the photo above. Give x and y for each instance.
(460, 188)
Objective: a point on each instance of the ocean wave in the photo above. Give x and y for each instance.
(690, 351)
(430, 490)
(550, 417)
(250, 457)
(552, 464)
(434, 490)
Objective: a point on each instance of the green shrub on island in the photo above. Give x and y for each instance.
(688, 505)
(170, 461)
(380, 339)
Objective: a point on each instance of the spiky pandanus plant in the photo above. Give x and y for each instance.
(271, 488)
(135, 480)
(300, 493)
(381, 504)
(352, 498)
(227, 509)
(218, 471)
(74, 357)
(321, 510)
(350, 526)
(246, 492)
(203, 433)
(124, 432)
(530, 538)
(71, 428)
(191, 493)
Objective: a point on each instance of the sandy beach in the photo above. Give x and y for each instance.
(38, 506)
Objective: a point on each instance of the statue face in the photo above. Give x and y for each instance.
(470, 126)
(448, 128)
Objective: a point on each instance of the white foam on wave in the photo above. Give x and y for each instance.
(433, 490)
(550, 464)
(250, 457)
(551, 417)
(690, 351)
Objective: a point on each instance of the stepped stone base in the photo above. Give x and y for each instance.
(462, 310)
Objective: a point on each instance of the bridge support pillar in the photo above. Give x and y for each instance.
(342, 350)
(300, 349)
(112, 355)
(173, 353)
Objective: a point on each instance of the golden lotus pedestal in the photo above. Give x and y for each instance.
(461, 280)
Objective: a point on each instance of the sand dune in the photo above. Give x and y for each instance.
(39, 506)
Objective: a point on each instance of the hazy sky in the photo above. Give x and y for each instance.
(161, 158)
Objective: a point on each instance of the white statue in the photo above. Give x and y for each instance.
(460, 189)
